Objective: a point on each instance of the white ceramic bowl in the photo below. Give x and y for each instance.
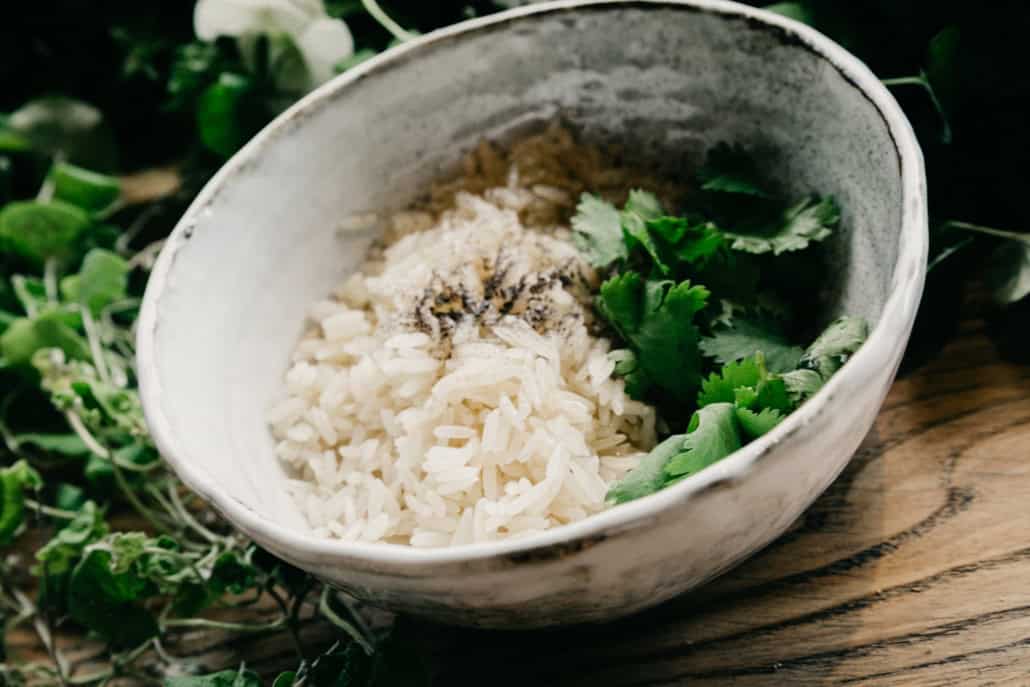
(227, 298)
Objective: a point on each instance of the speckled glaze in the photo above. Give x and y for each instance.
(227, 299)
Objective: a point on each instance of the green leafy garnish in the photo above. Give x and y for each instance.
(744, 337)
(598, 231)
(102, 280)
(656, 319)
(731, 169)
(38, 231)
(812, 219)
(713, 434)
(835, 345)
(14, 482)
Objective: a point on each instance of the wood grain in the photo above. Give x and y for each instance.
(913, 568)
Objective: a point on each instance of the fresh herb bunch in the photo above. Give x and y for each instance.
(76, 457)
(704, 288)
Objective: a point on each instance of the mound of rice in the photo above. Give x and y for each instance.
(455, 390)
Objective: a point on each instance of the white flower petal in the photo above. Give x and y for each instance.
(323, 44)
(213, 18)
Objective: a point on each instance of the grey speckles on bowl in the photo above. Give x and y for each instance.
(666, 80)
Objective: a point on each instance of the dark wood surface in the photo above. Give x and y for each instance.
(912, 569)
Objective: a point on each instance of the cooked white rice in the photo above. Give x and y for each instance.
(452, 392)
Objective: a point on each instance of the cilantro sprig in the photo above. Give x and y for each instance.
(687, 292)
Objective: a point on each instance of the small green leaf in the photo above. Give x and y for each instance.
(227, 115)
(641, 208)
(102, 599)
(285, 679)
(793, 10)
(598, 232)
(649, 475)
(835, 345)
(801, 384)
(14, 482)
(756, 424)
(82, 188)
(731, 169)
(713, 434)
(64, 444)
(69, 497)
(25, 336)
(102, 280)
(744, 337)
(37, 231)
(942, 68)
(812, 219)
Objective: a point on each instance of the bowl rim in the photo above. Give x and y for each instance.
(899, 309)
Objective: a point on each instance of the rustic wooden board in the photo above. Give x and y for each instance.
(913, 568)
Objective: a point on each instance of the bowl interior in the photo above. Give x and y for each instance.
(270, 234)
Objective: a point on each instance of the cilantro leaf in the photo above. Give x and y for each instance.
(598, 232)
(755, 424)
(656, 319)
(835, 345)
(714, 433)
(730, 169)
(649, 475)
(641, 208)
(812, 219)
(745, 337)
(801, 384)
(720, 387)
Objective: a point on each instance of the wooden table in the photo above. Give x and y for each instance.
(914, 568)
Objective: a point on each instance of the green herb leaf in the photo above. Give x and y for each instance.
(14, 482)
(65, 444)
(801, 384)
(746, 337)
(226, 678)
(942, 68)
(37, 231)
(25, 336)
(82, 188)
(102, 280)
(101, 596)
(731, 169)
(285, 679)
(598, 232)
(656, 320)
(227, 114)
(812, 219)
(794, 10)
(835, 345)
(755, 424)
(713, 434)
(649, 475)
(641, 208)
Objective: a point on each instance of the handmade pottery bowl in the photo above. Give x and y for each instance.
(667, 80)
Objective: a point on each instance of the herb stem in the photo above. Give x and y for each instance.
(339, 621)
(49, 510)
(95, 345)
(377, 13)
(989, 231)
(50, 280)
(948, 252)
(189, 520)
(247, 628)
(922, 81)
